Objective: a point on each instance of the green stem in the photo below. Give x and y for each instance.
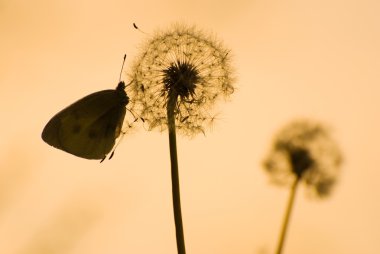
(175, 176)
(287, 216)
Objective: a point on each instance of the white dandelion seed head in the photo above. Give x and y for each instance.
(181, 61)
(304, 149)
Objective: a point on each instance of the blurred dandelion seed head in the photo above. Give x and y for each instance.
(186, 63)
(304, 149)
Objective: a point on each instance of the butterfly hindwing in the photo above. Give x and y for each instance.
(95, 139)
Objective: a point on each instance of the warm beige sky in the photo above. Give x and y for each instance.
(317, 59)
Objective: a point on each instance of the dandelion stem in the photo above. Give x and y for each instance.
(175, 176)
(287, 216)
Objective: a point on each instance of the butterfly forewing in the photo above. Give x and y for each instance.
(88, 127)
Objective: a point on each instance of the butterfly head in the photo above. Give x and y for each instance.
(121, 89)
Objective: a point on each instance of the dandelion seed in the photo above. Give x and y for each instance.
(184, 63)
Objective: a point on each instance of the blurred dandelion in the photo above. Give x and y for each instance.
(303, 151)
(176, 80)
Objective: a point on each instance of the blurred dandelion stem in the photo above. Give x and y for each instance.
(288, 212)
(175, 176)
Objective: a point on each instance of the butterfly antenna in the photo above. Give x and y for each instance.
(137, 28)
(122, 66)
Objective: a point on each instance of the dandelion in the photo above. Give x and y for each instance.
(176, 80)
(185, 69)
(303, 152)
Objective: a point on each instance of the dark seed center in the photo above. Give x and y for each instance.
(180, 79)
(300, 160)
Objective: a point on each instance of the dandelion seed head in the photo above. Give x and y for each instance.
(184, 62)
(304, 150)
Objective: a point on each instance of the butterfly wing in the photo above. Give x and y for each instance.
(88, 128)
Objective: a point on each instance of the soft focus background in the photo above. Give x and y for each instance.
(316, 59)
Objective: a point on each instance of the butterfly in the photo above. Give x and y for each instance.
(89, 127)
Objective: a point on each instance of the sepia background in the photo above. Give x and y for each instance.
(293, 59)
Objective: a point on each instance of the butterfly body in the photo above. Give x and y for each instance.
(88, 127)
